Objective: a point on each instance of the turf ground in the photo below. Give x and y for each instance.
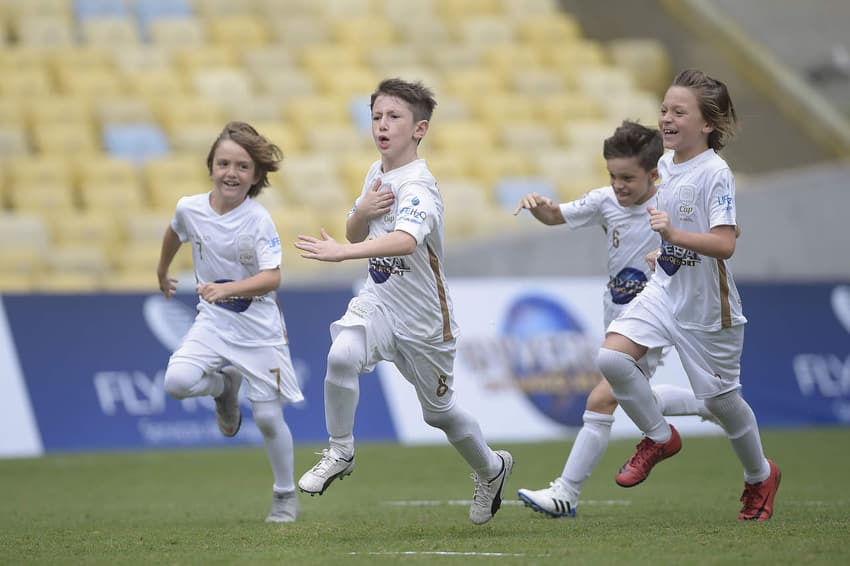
(408, 505)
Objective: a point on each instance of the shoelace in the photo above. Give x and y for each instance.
(480, 486)
(646, 452)
(751, 496)
(325, 463)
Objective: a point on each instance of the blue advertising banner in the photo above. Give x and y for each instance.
(94, 366)
(796, 365)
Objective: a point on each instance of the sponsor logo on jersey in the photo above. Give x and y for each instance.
(381, 268)
(626, 285)
(673, 257)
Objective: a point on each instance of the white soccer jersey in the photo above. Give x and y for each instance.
(629, 239)
(233, 246)
(412, 287)
(698, 195)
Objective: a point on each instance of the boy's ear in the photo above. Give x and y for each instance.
(653, 174)
(421, 129)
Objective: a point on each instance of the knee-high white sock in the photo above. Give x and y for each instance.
(591, 443)
(677, 401)
(278, 442)
(740, 424)
(464, 433)
(342, 388)
(632, 390)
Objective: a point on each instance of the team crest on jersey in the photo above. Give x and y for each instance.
(686, 206)
(673, 257)
(381, 268)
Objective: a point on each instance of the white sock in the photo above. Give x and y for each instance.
(268, 415)
(739, 422)
(342, 388)
(464, 433)
(588, 448)
(677, 401)
(632, 391)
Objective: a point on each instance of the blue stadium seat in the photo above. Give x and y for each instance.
(97, 9)
(149, 10)
(135, 142)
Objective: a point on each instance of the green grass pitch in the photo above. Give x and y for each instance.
(408, 505)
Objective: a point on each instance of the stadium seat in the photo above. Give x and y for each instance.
(85, 10)
(85, 226)
(503, 106)
(91, 83)
(13, 142)
(175, 33)
(556, 30)
(107, 171)
(114, 31)
(237, 32)
(298, 31)
(148, 11)
(509, 190)
(486, 31)
(318, 59)
(23, 231)
(194, 138)
(137, 279)
(491, 166)
(53, 8)
(188, 111)
(66, 139)
(646, 59)
(15, 281)
(156, 85)
(42, 199)
(207, 9)
(72, 282)
(303, 112)
(27, 82)
(44, 32)
(525, 134)
(223, 84)
(191, 58)
(445, 165)
(462, 136)
(122, 110)
(35, 170)
(258, 108)
(376, 32)
(558, 108)
(141, 58)
(285, 83)
(268, 59)
(136, 142)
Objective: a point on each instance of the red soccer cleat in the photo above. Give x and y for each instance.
(758, 497)
(648, 454)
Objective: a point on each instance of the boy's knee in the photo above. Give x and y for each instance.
(179, 379)
(615, 366)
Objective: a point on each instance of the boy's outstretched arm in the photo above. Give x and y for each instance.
(542, 208)
(396, 243)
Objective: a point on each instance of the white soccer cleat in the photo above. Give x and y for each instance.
(487, 497)
(285, 507)
(555, 500)
(317, 479)
(227, 412)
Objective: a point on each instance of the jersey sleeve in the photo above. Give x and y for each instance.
(418, 211)
(268, 248)
(721, 199)
(178, 222)
(585, 211)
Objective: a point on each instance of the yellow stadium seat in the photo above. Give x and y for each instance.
(106, 171)
(486, 30)
(518, 9)
(71, 109)
(92, 83)
(15, 282)
(646, 59)
(639, 106)
(352, 166)
(571, 58)
(13, 142)
(22, 58)
(86, 258)
(320, 58)
(537, 81)
(588, 133)
(32, 170)
(283, 136)
(258, 108)
(473, 85)
(359, 30)
(468, 136)
(299, 31)
(525, 134)
(176, 113)
(386, 61)
(113, 32)
(286, 83)
(12, 111)
(120, 199)
(341, 9)
(455, 58)
(80, 59)
(208, 9)
(305, 111)
(223, 84)
(446, 164)
(237, 32)
(176, 168)
(457, 10)
(176, 33)
(24, 83)
(600, 82)
(189, 59)
(123, 110)
(146, 227)
(556, 109)
(141, 58)
(164, 197)
(85, 226)
(23, 239)
(498, 107)
(506, 58)
(44, 32)
(268, 59)
(335, 138)
(66, 140)
(489, 167)
(157, 85)
(555, 30)
(347, 81)
(42, 199)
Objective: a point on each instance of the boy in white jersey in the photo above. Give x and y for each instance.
(691, 302)
(403, 313)
(239, 331)
(631, 155)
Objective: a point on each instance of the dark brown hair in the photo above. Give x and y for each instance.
(418, 96)
(631, 139)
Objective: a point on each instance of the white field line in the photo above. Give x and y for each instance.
(467, 502)
(447, 553)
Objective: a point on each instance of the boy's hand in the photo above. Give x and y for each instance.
(214, 292)
(324, 249)
(659, 221)
(168, 285)
(531, 201)
(376, 202)
(651, 257)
